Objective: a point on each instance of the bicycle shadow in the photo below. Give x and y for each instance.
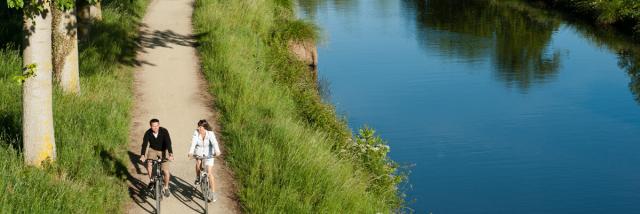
(184, 192)
(137, 188)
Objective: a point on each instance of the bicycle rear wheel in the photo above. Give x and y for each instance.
(205, 193)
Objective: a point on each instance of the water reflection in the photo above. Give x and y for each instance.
(310, 8)
(628, 60)
(513, 35)
(516, 42)
(627, 51)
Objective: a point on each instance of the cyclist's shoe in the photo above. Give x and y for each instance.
(213, 197)
(150, 185)
(166, 192)
(197, 181)
(210, 197)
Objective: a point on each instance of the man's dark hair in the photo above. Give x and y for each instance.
(154, 120)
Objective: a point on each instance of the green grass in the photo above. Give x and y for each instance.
(91, 130)
(289, 151)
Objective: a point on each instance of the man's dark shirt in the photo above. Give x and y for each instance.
(160, 143)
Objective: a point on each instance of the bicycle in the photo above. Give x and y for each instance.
(158, 182)
(203, 179)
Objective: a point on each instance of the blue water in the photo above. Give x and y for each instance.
(507, 111)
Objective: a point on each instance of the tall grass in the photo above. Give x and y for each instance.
(290, 152)
(91, 130)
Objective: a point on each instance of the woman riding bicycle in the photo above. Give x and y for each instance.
(204, 144)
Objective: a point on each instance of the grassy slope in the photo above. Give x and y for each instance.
(91, 130)
(281, 139)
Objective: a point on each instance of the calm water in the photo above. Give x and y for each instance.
(499, 107)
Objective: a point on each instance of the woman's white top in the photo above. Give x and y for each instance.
(208, 147)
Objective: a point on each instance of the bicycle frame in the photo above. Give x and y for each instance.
(159, 182)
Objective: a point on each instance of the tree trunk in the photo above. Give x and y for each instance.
(87, 14)
(96, 11)
(37, 97)
(84, 19)
(65, 50)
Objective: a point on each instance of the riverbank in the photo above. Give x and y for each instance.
(91, 130)
(486, 98)
(621, 14)
(289, 151)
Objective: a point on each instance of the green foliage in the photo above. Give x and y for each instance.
(30, 8)
(625, 13)
(64, 4)
(37, 6)
(610, 11)
(15, 3)
(372, 152)
(27, 72)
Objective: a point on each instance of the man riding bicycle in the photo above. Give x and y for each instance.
(159, 142)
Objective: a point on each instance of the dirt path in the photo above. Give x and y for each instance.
(169, 86)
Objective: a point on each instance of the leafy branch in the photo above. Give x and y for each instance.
(27, 72)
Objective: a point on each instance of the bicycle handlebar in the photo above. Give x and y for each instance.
(155, 160)
(198, 157)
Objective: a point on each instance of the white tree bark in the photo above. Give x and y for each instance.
(37, 112)
(95, 10)
(65, 50)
